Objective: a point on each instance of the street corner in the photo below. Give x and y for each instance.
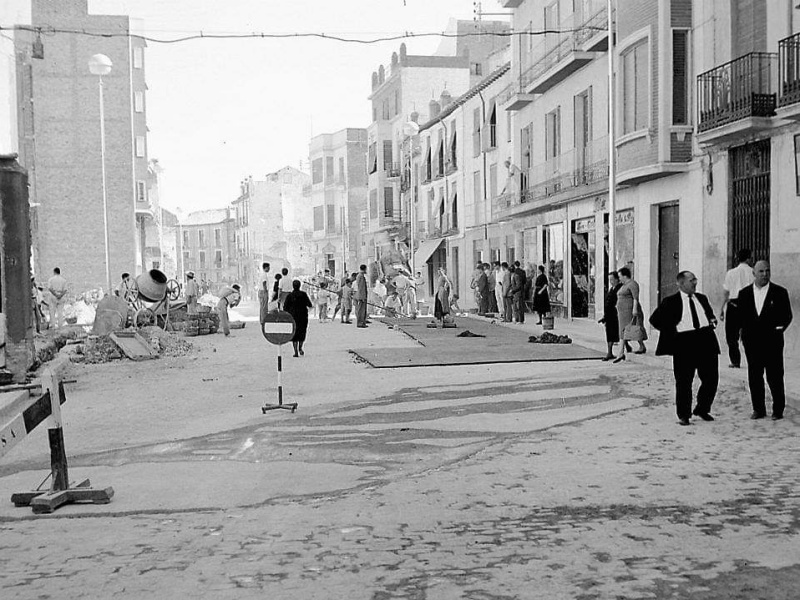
(190, 486)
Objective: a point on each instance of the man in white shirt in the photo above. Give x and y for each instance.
(57, 287)
(284, 287)
(192, 293)
(736, 279)
(498, 288)
(263, 293)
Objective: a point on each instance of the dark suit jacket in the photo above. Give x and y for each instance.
(360, 293)
(667, 316)
(776, 312)
(482, 283)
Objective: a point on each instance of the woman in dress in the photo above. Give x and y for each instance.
(629, 313)
(610, 319)
(541, 297)
(443, 289)
(297, 304)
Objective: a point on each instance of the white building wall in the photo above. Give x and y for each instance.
(12, 12)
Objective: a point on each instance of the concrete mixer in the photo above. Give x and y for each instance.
(149, 297)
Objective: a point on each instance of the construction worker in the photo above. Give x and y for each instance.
(228, 298)
(191, 293)
(124, 286)
(57, 286)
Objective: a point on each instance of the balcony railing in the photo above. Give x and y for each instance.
(570, 171)
(736, 90)
(389, 217)
(392, 170)
(789, 66)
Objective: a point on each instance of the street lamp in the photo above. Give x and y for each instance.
(411, 129)
(100, 65)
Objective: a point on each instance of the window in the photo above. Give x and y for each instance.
(388, 202)
(138, 57)
(635, 87)
(493, 180)
(218, 238)
(341, 170)
(477, 197)
(396, 102)
(552, 134)
(140, 151)
(452, 150)
(387, 155)
(454, 212)
(329, 169)
(185, 259)
(319, 218)
(476, 132)
(372, 158)
(218, 258)
(185, 238)
(331, 215)
(373, 204)
(428, 163)
(141, 191)
(680, 77)
(440, 157)
(490, 133)
(202, 260)
(201, 238)
(316, 170)
(138, 102)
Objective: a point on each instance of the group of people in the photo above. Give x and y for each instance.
(508, 289)
(756, 312)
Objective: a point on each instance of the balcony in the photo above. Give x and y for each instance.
(390, 217)
(789, 70)
(577, 173)
(392, 170)
(513, 98)
(737, 98)
(559, 55)
(444, 226)
(511, 3)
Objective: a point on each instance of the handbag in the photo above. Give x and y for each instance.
(634, 331)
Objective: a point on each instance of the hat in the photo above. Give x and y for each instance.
(236, 286)
(190, 273)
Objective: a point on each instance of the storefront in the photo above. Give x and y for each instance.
(583, 258)
(553, 258)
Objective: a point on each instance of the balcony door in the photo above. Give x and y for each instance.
(749, 199)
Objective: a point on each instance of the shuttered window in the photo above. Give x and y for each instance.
(319, 218)
(680, 77)
(636, 87)
(388, 202)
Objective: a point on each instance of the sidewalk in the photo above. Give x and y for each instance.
(591, 334)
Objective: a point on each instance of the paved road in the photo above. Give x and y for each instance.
(569, 480)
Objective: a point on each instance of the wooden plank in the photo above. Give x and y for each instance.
(134, 346)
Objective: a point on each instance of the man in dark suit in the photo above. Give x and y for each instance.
(360, 297)
(765, 313)
(686, 322)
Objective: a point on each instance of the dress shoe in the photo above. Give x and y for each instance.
(777, 417)
(620, 359)
(361, 326)
(684, 422)
(757, 415)
(640, 351)
(704, 416)
(607, 357)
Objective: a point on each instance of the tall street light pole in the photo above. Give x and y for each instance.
(612, 148)
(100, 65)
(410, 130)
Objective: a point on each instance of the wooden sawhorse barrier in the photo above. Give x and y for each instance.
(30, 412)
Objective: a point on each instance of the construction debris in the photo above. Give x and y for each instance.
(550, 338)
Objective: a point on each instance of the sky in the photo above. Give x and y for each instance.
(221, 110)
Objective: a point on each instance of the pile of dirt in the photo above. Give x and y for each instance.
(97, 350)
(550, 338)
(166, 343)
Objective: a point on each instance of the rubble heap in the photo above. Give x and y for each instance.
(550, 338)
(102, 349)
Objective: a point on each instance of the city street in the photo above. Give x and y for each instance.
(484, 481)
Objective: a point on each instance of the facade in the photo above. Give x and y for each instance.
(59, 144)
(206, 239)
(261, 211)
(12, 12)
(339, 200)
(411, 89)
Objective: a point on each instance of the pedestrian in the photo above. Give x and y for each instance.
(517, 292)
(191, 293)
(402, 284)
(475, 287)
(610, 320)
(686, 322)
(765, 313)
(736, 279)
(347, 300)
(263, 293)
(57, 287)
(483, 290)
(629, 313)
(508, 277)
(124, 286)
(490, 288)
(360, 297)
(336, 294)
(323, 299)
(443, 290)
(498, 287)
(541, 296)
(392, 305)
(454, 306)
(228, 298)
(38, 315)
(297, 304)
(285, 287)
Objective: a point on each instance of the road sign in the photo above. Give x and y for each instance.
(278, 327)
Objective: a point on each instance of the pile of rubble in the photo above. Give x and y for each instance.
(550, 338)
(165, 343)
(100, 349)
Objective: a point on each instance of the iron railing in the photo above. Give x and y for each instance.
(392, 170)
(736, 90)
(789, 68)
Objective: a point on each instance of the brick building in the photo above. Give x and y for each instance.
(59, 143)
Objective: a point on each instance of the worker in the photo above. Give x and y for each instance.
(228, 298)
(57, 286)
(124, 286)
(191, 293)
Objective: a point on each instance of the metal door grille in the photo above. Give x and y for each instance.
(749, 199)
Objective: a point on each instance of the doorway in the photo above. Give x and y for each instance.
(749, 199)
(668, 249)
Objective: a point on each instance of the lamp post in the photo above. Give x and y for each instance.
(100, 65)
(612, 149)
(411, 129)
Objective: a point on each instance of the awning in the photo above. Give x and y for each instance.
(426, 250)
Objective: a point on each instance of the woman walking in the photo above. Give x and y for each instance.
(443, 289)
(541, 297)
(297, 304)
(629, 312)
(610, 318)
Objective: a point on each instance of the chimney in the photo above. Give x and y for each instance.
(445, 99)
(434, 109)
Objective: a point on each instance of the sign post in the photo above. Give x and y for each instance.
(278, 328)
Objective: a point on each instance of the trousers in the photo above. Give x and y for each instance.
(693, 354)
(733, 329)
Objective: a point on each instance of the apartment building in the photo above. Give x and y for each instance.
(339, 200)
(746, 54)
(404, 92)
(206, 240)
(59, 142)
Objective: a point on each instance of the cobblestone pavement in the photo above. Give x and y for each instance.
(567, 482)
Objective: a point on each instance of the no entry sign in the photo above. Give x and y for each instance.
(278, 327)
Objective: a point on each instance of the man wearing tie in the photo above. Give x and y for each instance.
(765, 313)
(686, 322)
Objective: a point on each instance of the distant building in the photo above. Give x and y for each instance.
(206, 239)
(59, 143)
(339, 199)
